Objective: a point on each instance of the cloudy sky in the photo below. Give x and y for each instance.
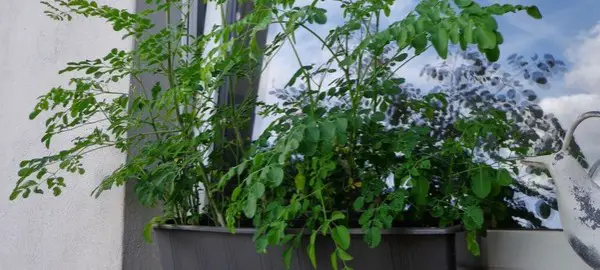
(570, 30)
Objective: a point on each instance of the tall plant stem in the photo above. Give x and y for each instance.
(211, 200)
(170, 70)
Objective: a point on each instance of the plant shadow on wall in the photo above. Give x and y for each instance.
(363, 150)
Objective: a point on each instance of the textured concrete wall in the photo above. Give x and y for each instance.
(73, 231)
(137, 253)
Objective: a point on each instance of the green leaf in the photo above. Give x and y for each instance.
(308, 148)
(348, 61)
(26, 193)
(419, 42)
(149, 226)
(311, 250)
(485, 39)
(276, 175)
(420, 190)
(534, 12)
(373, 237)
(341, 124)
(300, 181)
(92, 70)
(463, 3)
(23, 163)
(341, 236)
(320, 17)
(504, 178)
(467, 32)
(343, 255)
(353, 25)
(25, 172)
(439, 39)
(327, 130)
(287, 257)
(240, 168)
(499, 37)
(313, 134)
(297, 74)
(258, 189)
(15, 194)
(420, 25)
(489, 22)
(337, 215)
(358, 203)
(261, 244)
(472, 244)
(236, 193)
(481, 183)
(473, 215)
(29, 183)
(401, 38)
(492, 55)
(454, 35)
(497, 9)
(378, 117)
(463, 43)
(437, 211)
(34, 114)
(334, 262)
(434, 15)
(342, 138)
(250, 208)
(425, 164)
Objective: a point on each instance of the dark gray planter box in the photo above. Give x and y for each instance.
(212, 248)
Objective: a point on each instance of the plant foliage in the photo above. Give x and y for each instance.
(320, 166)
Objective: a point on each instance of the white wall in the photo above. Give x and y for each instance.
(530, 250)
(73, 231)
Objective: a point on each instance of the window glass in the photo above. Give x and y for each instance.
(550, 66)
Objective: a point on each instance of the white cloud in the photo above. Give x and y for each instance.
(533, 31)
(567, 108)
(584, 74)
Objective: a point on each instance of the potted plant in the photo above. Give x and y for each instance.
(326, 171)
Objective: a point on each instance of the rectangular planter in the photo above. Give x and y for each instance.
(212, 248)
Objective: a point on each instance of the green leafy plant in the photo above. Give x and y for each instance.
(327, 163)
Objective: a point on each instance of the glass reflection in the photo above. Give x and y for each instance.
(547, 75)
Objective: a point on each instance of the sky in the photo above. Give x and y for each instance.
(569, 30)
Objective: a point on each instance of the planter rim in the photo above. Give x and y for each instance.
(353, 231)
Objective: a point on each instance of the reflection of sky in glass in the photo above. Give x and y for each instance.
(569, 30)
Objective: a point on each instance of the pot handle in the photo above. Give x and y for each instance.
(580, 118)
